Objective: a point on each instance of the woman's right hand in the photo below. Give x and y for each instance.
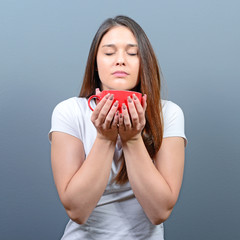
(105, 118)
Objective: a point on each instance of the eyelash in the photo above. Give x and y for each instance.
(130, 54)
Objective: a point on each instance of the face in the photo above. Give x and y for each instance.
(118, 60)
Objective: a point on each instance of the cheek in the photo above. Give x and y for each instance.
(100, 67)
(103, 71)
(136, 67)
(102, 64)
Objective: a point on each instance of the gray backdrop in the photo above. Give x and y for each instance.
(43, 52)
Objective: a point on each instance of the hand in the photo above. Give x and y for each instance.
(131, 124)
(105, 118)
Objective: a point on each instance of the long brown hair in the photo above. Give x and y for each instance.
(149, 84)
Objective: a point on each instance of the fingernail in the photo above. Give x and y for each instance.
(117, 113)
(129, 99)
(107, 96)
(116, 104)
(111, 97)
(134, 97)
(124, 106)
(120, 115)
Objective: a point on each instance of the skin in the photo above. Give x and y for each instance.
(118, 51)
(158, 190)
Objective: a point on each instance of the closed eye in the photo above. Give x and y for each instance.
(132, 54)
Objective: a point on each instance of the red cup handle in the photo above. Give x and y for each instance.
(93, 96)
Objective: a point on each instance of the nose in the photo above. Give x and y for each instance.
(120, 60)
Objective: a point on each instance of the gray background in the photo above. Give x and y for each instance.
(43, 52)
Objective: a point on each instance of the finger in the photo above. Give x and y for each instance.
(145, 102)
(126, 117)
(138, 104)
(140, 108)
(105, 109)
(97, 92)
(99, 107)
(133, 112)
(121, 125)
(110, 116)
(115, 120)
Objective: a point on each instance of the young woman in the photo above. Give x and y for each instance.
(118, 175)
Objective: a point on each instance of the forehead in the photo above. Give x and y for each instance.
(118, 34)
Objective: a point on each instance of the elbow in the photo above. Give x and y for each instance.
(160, 217)
(75, 213)
(163, 214)
(77, 218)
(79, 221)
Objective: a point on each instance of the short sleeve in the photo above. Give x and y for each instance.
(173, 117)
(64, 119)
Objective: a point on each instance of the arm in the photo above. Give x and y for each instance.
(156, 186)
(81, 182)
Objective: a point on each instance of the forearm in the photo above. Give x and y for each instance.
(149, 186)
(89, 182)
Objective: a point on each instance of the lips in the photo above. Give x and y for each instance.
(120, 74)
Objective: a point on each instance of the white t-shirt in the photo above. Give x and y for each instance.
(118, 215)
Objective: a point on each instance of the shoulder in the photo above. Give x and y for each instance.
(71, 109)
(173, 120)
(170, 109)
(68, 116)
(71, 105)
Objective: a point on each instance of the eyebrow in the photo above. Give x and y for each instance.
(113, 45)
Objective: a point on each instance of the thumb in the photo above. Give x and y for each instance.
(97, 91)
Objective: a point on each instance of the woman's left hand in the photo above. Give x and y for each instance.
(132, 121)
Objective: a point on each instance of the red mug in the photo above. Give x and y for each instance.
(120, 96)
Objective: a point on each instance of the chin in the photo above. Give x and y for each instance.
(119, 88)
(126, 88)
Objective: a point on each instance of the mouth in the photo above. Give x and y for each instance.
(120, 74)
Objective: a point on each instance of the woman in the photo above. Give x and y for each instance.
(118, 175)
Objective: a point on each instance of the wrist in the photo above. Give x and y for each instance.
(106, 141)
(133, 141)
